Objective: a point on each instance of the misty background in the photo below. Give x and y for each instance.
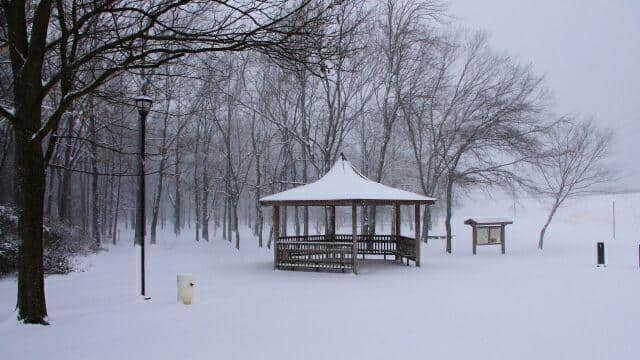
(589, 52)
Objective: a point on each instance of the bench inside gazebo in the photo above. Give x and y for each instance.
(343, 185)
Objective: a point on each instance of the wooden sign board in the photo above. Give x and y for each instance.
(488, 231)
(489, 235)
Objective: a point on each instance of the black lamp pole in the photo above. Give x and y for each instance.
(144, 105)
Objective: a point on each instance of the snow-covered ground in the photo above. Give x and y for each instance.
(524, 305)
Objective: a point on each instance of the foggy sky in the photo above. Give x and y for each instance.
(589, 52)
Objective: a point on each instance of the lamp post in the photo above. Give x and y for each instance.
(143, 103)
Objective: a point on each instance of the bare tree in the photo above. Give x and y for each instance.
(487, 115)
(402, 25)
(575, 165)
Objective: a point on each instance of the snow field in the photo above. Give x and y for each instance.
(526, 304)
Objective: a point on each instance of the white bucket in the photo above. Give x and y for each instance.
(186, 287)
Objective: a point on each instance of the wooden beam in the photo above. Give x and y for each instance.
(474, 238)
(354, 236)
(396, 210)
(502, 238)
(284, 219)
(332, 220)
(276, 235)
(417, 228)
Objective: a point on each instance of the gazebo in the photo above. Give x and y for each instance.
(343, 185)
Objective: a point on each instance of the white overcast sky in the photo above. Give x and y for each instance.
(589, 52)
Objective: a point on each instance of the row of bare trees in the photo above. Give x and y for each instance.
(255, 97)
(56, 53)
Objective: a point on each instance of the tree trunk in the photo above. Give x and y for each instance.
(156, 204)
(296, 218)
(284, 220)
(372, 220)
(49, 177)
(177, 224)
(426, 221)
(258, 223)
(83, 199)
(447, 222)
(197, 183)
(393, 222)
(260, 226)
(205, 202)
(95, 213)
(554, 208)
(270, 237)
(64, 196)
(109, 183)
(216, 216)
(30, 179)
(117, 209)
(235, 223)
(224, 219)
(229, 221)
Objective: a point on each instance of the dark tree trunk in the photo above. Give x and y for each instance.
(224, 219)
(65, 185)
(158, 195)
(83, 199)
(554, 208)
(230, 220)
(372, 220)
(235, 223)
(296, 219)
(216, 216)
(258, 223)
(426, 222)
(284, 212)
(31, 186)
(197, 184)
(7, 166)
(447, 221)
(106, 213)
(177, 204)
(49, 181)
(205, 202)
(117, 210)
(95, 213)
(156, 204)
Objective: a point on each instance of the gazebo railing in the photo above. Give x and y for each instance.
(335, 252)
(317, 255)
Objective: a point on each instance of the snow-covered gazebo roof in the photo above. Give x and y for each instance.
(344, 185)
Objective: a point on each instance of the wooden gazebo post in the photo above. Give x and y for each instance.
(276, 235)
(332, 221)
(396, 207)
(417, 232)
(354, 236)
(503, 240)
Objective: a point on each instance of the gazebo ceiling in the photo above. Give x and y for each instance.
(344, 185)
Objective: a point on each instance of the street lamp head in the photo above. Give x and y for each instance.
(143, 103)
